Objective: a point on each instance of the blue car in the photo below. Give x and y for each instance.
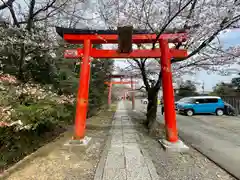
(201, 105)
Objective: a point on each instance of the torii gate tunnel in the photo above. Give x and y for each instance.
(76, 54)
(90, 37)
(120, 82)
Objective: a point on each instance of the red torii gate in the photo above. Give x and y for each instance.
(119, 82)
(89, 37)
(121, 76)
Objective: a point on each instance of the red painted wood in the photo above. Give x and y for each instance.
(168, 94)
(109, 95)
(120, 82)
(143, 53)
(113, 38)
(82, 97)
(133, 94)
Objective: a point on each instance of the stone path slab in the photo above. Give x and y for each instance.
(124, 159)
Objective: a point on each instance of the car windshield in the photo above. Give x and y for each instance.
(185, 100)
(182, 100)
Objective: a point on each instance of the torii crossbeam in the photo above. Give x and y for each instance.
(138, 53)
(90, 37)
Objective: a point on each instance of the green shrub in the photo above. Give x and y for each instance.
(46, 119)
(43, 112)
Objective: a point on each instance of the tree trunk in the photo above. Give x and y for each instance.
(21, 63)
(152, 106)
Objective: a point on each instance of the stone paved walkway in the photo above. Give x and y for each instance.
(124, 159)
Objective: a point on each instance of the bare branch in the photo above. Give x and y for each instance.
(45, 8)
(190, 13)
(158, 84)
(6, 4)
(186, 25)
(143, 73)
(9, 5)
(142, 87)
(211, 38)
(14, 16)
(31, 15)
(169, 21)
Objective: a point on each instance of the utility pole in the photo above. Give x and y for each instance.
(203, 87)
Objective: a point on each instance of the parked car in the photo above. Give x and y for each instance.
(181, 100)
(229, 109)
(201, 105)
(144, 101)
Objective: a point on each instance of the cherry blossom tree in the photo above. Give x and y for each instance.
(203, 20)
(28, 31)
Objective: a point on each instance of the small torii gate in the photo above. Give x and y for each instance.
(121, 76)
(119, 82)
(124, 37)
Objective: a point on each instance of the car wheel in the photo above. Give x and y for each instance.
(145, 102)
(189, 112)
(219, 112)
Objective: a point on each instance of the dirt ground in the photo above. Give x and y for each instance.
(57, 162)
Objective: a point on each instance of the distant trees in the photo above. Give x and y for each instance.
(188, 88)
(228, 89)
(236, 83)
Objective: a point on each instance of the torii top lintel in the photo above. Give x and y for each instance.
(77, 36)
(125, 75)
(120, 82)
(117, 76)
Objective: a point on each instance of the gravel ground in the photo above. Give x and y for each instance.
(177, 166)
(69, 164)
(184, 166)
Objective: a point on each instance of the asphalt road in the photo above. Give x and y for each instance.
(216, 137)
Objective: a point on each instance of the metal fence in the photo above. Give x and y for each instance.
(234, 101)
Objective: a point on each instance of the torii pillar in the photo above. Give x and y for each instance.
(110, 95)
(133, 95)
(172, 143)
